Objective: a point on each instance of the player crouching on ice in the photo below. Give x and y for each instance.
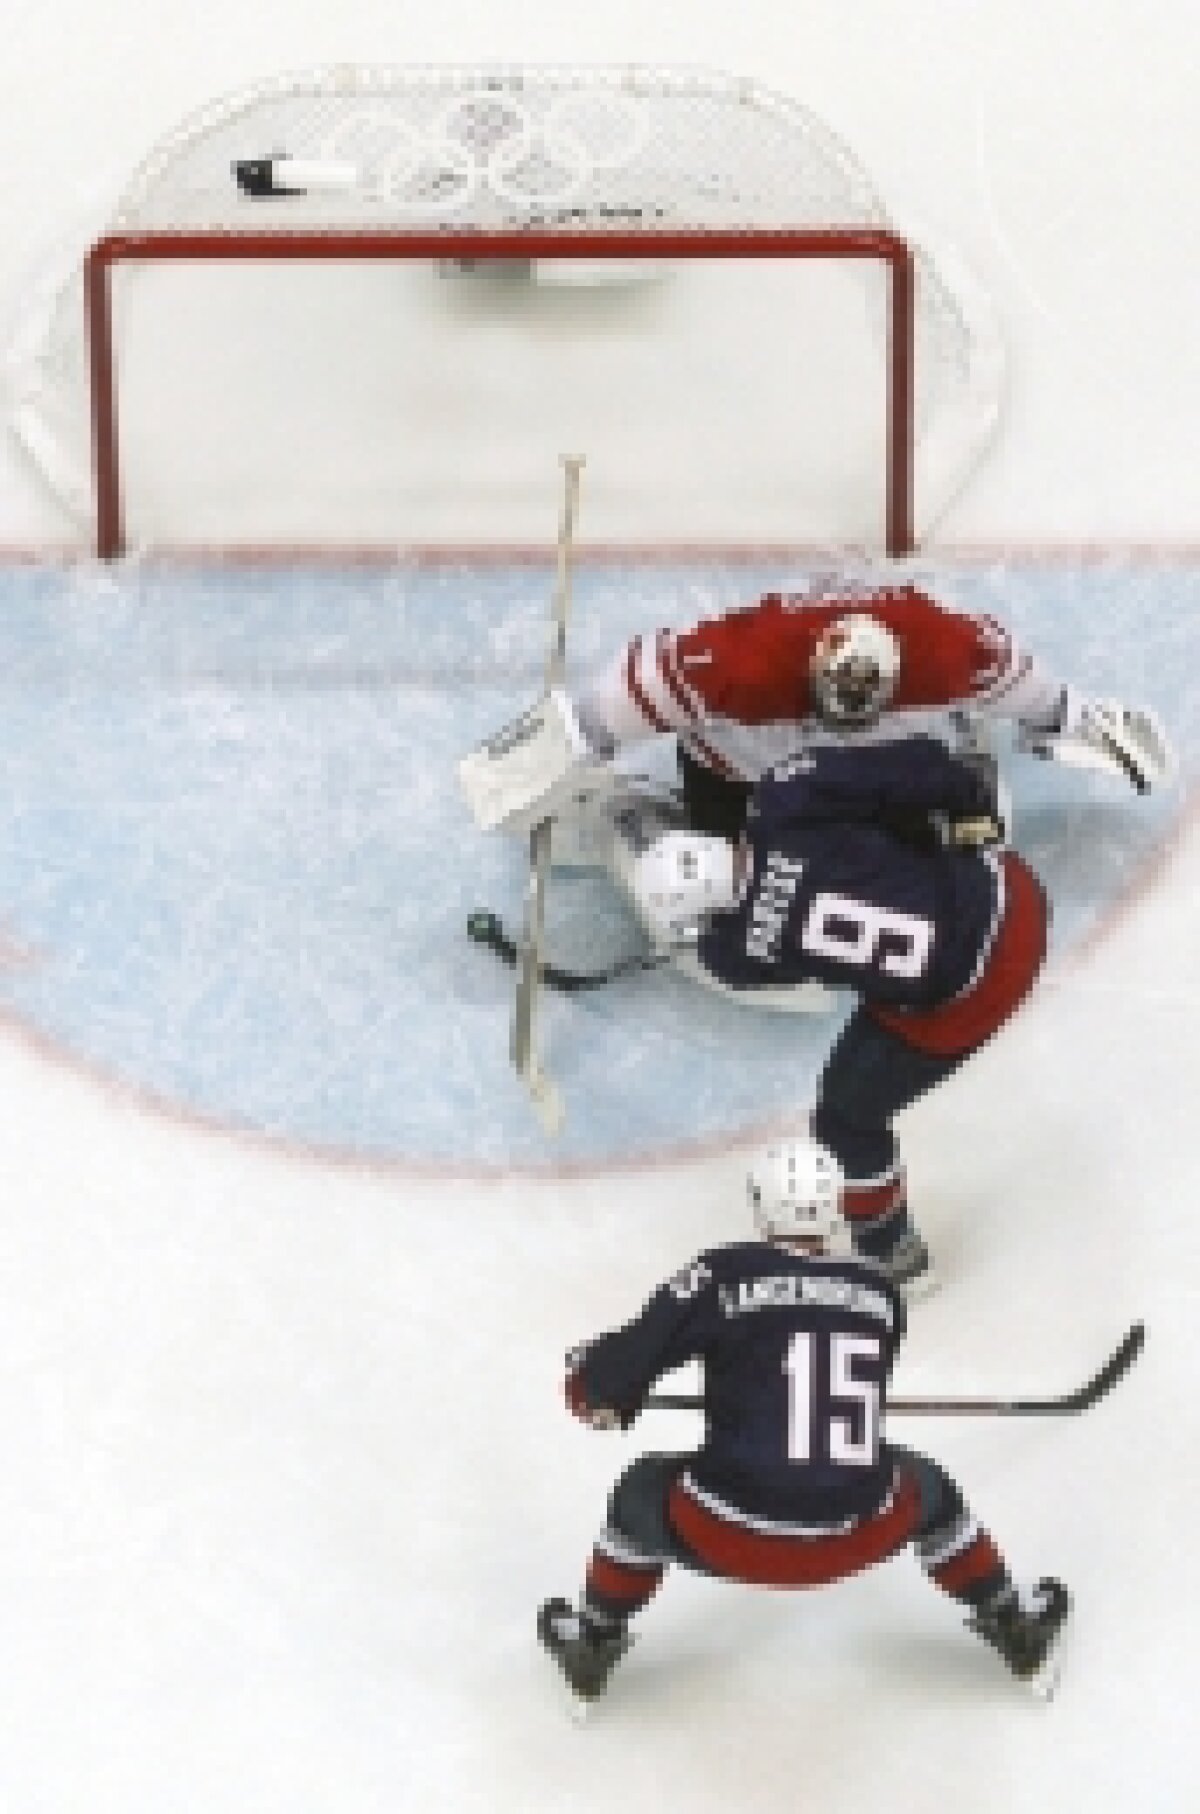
(794, 1485)
(742, 691)
(868, 868)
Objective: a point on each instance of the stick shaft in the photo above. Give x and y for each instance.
(1081, 1399)
(546, 1098)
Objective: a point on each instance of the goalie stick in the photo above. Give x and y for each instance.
(1082, 1399)
(546, 1099)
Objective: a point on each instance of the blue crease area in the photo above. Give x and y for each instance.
(235, 867)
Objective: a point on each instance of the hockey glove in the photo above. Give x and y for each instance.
(600, 1417)
(1107, 736)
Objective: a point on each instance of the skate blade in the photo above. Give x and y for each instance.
(1043, 1683)
(578, 1709)
(927, 1286)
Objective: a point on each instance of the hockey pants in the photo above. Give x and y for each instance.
(641, 1539)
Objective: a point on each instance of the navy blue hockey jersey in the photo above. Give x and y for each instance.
(796, 1353)
(840, 887)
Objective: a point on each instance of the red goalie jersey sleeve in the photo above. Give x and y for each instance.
(750, 667)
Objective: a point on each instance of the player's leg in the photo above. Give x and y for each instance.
(714, 804)
(869, 1076)
(1026, 1625)
(628, 1560)
(885, 1060)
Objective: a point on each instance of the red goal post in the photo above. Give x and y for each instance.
(879, 247)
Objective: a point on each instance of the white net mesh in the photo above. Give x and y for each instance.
(505, 149)
(508, 148)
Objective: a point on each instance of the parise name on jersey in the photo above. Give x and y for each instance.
(845, 882)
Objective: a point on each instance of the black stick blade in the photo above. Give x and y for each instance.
(486, 929)
(1113, 1370)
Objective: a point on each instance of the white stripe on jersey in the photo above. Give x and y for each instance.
(774, 1527)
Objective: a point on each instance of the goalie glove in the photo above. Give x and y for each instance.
(1104, 735)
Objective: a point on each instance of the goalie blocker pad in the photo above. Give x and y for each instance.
(530, 770)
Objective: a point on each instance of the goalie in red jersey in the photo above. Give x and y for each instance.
(744, 690)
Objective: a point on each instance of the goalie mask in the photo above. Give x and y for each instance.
(680, 880)
(795, 1192)
(854, 670)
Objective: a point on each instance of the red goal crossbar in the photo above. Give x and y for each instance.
(871, 245)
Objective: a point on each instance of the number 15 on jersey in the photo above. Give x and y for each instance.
(833, 1410)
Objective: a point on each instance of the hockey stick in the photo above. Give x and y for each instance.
(546, 1099)
(1082, 1399)
(486, 929)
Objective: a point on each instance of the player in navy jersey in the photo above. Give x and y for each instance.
(795, 1484)
(875, 868)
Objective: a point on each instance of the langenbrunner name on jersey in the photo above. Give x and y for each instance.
(781, 1289)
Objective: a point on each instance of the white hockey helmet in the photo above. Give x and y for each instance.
(854, 670)
(681, 878)
(795, 1192)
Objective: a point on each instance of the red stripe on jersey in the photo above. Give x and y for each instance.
(863, 1202)
(765, 1560)
(705, 753)
(620, 1581)
(995, 665)
(670, 675)
(637, 691)
(1007, 682)
(679, 692)
(979, 1560)
(1016, 957)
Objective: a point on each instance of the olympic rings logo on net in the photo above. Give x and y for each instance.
(489, 144)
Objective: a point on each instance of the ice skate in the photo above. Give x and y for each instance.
(586, 1654)
(1030, 1641)
(910, 1267)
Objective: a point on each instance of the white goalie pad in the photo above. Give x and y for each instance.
(1112, 739)
(531, 769)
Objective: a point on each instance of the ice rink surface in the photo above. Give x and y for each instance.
(287, 1471)
(237, 867)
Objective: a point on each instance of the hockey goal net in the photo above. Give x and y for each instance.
(373, 306)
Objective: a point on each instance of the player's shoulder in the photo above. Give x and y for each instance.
(914, 612)
(696, 1275)
(719, 1265)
